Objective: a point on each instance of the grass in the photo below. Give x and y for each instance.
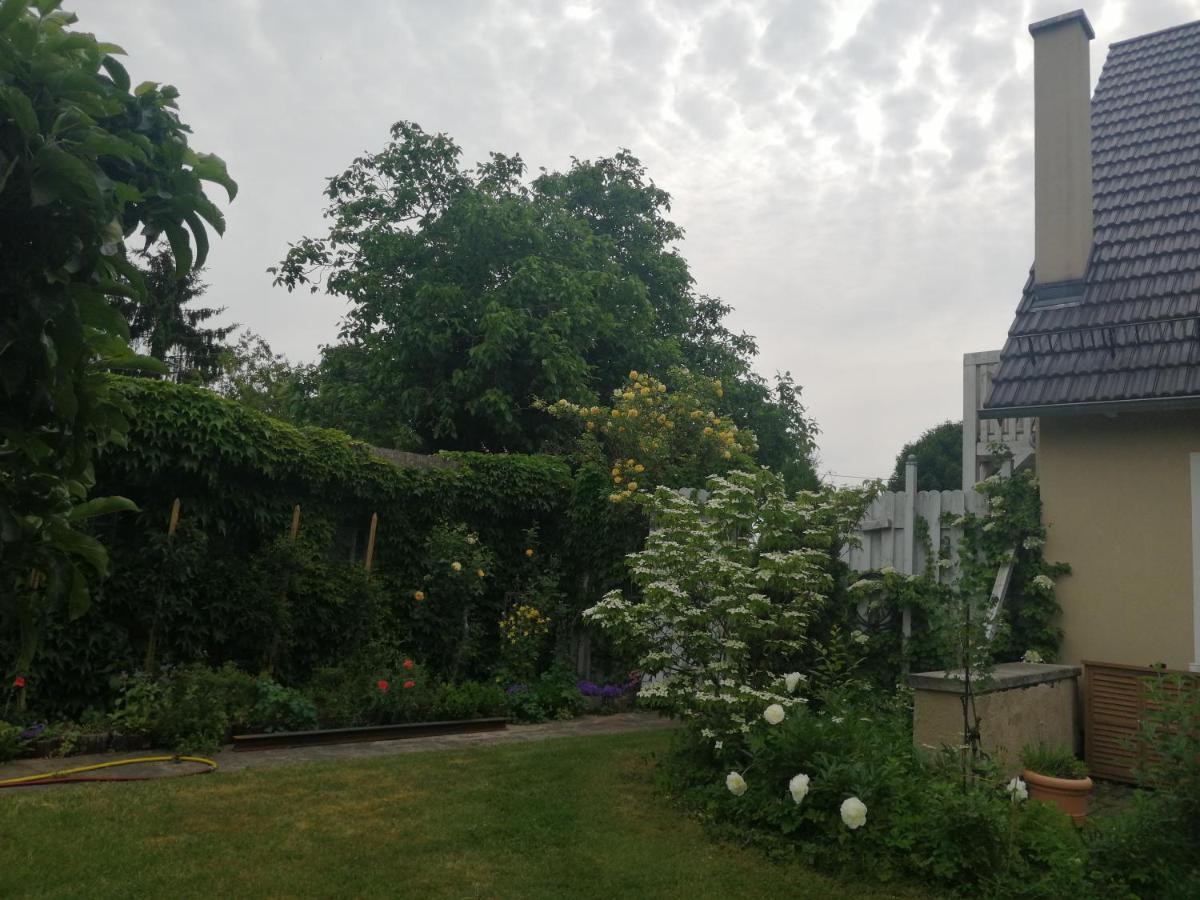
(574, 817)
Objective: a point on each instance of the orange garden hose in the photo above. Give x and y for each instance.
(77, 774)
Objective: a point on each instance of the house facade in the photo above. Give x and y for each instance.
(1103, 356)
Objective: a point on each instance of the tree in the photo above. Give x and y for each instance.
(84, 162)
(161, 324)
(250, 372)
(474, 293)
(939, 459)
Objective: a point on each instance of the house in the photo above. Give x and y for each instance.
(1102, 362)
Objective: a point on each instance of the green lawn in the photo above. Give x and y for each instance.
(560, 818)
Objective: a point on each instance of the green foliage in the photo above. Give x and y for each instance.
(231, 587)
(84, 162)
(939, 459)
(1055, 762)
(553, 695)
(163, 324)
(12, 744)
(474, 292)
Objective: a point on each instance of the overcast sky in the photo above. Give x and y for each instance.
(854, 177)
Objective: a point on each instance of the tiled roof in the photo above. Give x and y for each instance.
(1135, 334)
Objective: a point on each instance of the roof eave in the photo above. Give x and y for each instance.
(1145, 404)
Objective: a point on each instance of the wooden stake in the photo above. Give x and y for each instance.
(371, 542)
(174, 519)
(295, 521)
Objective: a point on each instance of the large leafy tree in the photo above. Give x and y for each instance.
(939, 459)
(474, 292)
(84, 163)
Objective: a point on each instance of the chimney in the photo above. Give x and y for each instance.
(1062, 148)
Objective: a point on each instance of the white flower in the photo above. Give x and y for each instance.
(945, 563)
(707, 732)
(860, 637)
(854, 813)
(1045, 582)
(862, 583)
(887, 570)
(791, 680)
(1016, 788)
(718, 745)
(1032, 543)
(798, 787)
(1031, 656)
(736, 784)
(837, 720)
(773, 714)
(989, 526)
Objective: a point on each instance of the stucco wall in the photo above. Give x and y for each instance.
(1116, 495)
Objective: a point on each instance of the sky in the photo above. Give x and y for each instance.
(855, 178)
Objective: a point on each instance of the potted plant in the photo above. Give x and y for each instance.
(1056, 776)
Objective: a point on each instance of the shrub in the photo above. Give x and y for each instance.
(469, 700)
(728, 588)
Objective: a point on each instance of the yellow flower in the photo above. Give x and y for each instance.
(418, 595)
(708, 429)
(645, 392)
(630, 462)
(480, 572)
(696, 414)
(456, 566)
(617, 479)
(633, 374)
(616, 471)
(726, 454)
(616, 414)
(633, 414)
(639, 468)
(632, 486)
(529, 551)
(591, 426)
(662, 388)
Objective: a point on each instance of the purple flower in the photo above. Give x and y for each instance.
(517, 688)
(609, 691)
(588, 689)
(32, 731)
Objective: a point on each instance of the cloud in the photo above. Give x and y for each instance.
(853, 176)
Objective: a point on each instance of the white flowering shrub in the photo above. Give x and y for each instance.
(728, 589)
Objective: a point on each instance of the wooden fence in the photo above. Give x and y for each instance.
(889, 534)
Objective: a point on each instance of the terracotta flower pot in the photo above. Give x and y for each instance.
(1068, 794)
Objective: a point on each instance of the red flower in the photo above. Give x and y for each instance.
(409, 684)
(19, 681)
(382, 685)
(408, 664)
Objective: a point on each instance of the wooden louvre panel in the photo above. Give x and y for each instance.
(1113, 707)
(1115, 701)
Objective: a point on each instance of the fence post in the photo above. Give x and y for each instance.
(910, 538)
(371, 543)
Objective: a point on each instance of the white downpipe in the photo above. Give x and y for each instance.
(1195, 471)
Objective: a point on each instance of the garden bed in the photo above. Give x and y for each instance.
(274, 740)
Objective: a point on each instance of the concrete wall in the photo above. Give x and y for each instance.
(1116, 495)
(1011, 718)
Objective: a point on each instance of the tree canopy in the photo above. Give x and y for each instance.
(939, 459)
(475, 292)
(85, 161)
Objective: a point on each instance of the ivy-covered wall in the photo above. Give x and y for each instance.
(230, 586)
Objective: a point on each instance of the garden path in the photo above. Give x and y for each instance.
(229, 760)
